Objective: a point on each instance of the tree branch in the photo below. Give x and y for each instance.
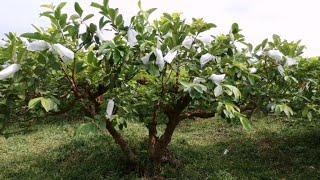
(153, 129)
(198, 113)
(73, 84)
(121, 142)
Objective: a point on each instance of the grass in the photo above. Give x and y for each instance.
(206, 149)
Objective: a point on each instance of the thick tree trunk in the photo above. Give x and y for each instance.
(153, 139)
(162, 145)
(173, 113)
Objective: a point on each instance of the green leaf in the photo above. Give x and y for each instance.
(78, 8)
(199, 87)
(288, 111)
(33, 102)
(49, 6)
(63, 20)
(256, 49)
(153, 70)
(96, 5)
(234, 90)
(186, 85)
(284, 108)
(245, 123)
(288, 78)
(113, 13)
(74, 17)
(106, 3)
(92, 58)
(79, 67)
(89, 16)
(276, 38)
(119, 20)
(150, 11)
(264, 43)
(218, 91)
(61, 5)
(235, 28)
(37, 36)
(48, 104)
(307, 113)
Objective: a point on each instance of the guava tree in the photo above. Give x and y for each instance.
(271, 83)
(159, 72)
(284, 82)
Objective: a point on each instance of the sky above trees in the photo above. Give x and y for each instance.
(291, 19)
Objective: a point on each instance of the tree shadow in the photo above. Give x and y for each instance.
(270, 156)
(31, 126)
(288, 155)
(84, 158)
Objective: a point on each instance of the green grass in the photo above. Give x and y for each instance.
(276, 149)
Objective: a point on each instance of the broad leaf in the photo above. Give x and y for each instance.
(48, 104)
(33, 102)
(218, 91)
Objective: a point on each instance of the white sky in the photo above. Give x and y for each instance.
(291, 19)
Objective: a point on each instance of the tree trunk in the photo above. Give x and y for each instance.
(121, 142)
(92, 109)
(153, 130)
(173, 114)
(118, 138)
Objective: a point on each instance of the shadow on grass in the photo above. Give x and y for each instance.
(90, 158)
(270, 157)
(32, 126)
(266, 155)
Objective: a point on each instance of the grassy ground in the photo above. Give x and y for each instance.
(207, 149)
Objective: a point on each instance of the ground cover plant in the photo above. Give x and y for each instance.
(158, 73)
(207, 148)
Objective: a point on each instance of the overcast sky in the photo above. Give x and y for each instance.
(291, 19)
